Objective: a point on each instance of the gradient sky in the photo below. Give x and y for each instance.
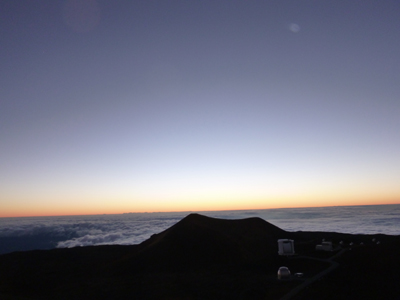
(132, 106)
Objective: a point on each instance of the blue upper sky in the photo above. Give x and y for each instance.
(115, 106)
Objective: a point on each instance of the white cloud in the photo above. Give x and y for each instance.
(131, 229)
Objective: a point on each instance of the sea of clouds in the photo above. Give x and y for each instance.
(20, 234)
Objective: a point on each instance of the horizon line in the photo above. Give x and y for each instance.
(191, 211)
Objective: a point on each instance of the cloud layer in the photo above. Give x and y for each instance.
(19, 234)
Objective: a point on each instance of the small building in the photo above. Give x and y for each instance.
(283, 273)
(325, 246)
(285, 247)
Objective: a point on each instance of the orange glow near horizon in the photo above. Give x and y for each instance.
(221, 195)
(111, 207)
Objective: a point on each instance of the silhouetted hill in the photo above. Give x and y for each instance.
(205, 258)
(198, 241)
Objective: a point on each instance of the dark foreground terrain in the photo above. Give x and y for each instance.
(207, 258)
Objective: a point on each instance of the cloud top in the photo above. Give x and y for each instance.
(18, 234)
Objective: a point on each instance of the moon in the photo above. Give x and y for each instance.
(293, 27)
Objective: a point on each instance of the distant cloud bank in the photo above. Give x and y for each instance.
(21, 234)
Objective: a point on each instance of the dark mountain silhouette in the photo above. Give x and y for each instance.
(198, 241)
(202, 258)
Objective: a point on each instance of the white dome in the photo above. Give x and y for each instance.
(283, 273)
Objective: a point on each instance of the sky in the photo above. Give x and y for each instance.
(143, 106)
